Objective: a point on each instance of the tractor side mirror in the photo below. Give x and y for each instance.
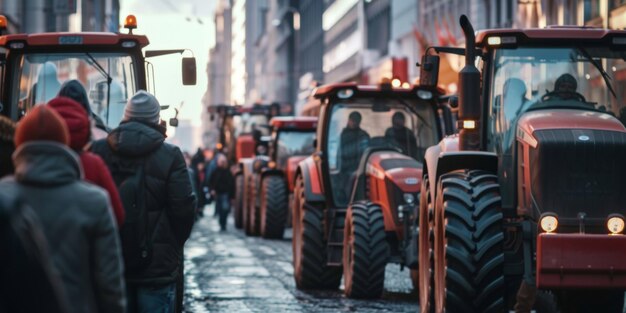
(165, 107)
(174, 122)
(453, 102)
(429, 70)
(189, 71)
(314, 143)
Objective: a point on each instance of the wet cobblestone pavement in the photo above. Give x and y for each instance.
(229, 272)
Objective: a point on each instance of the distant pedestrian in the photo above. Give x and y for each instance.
(29, 282)
(222, 186)
(94, 169)
(156, 192)
(75, 215)
(7, 147)
(74, 90)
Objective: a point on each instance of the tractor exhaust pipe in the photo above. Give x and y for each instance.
(469, 92)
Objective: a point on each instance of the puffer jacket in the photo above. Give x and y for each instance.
(169, 197)
(77, 223)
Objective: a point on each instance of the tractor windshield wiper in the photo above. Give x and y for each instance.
(104, 73)
(598, 66)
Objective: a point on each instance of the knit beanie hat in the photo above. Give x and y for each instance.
(143, 107)
(42, 123)
(75, 118)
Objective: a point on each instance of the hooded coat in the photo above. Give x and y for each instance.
(169, 197)
(77, 223)
(73, 89)
(94, 169)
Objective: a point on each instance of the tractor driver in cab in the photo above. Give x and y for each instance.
(353, 142)
(564, 89)
(401, 135)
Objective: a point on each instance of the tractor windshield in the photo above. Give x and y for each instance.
(538, 78)
(292, 143)
(41, 75)
(368, 123)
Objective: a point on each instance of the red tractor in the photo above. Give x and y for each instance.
(272, 176)
(525, 207)
(355, 198)
(111, 67)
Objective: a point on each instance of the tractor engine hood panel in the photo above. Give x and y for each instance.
(400, 169)
(577, 165)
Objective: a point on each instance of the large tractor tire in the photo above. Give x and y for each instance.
(254, 223)
(238, 214)
(308, 246)
(273, 208)
(468, 246)
(425, 248)
(365, 251)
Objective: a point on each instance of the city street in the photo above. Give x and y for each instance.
(229, 272)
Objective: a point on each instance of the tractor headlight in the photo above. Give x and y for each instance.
(615, 224)
(549, 222)
(409, 198)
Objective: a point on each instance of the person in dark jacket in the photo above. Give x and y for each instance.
(7, 129)
(402, 135)
(222, 186)
(29, 282)
(94, 168)
(75, 215)
(73, 89)
(353, 142)
(169, 200)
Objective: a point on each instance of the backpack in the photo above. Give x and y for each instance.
(135, 235)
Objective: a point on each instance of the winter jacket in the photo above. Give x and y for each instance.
(94, 168)
(29, 282)
(77, 223)
(7, 129)
(222, 181)
(353, 144)
(169, 198)
(404, 138)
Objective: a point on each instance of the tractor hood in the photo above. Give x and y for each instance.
(573, 161)
(401, 170)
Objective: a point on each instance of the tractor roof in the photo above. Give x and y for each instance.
(370, 90)
(73, 39)
(552, 33)
(291, 122)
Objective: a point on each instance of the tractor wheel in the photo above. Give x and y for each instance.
(468, 247)
(365, 251)
(238, 214)
(273, 207)
(308, 246)
(425, 248)
(252, 227)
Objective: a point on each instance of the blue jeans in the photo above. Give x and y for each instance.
(151, 299)
(222, 206)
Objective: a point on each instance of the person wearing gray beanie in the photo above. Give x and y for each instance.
(143, 106)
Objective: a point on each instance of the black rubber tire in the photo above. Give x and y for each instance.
(273, 208)
(469, 256)
(365, 251)
(425, 248)
(238, 214)
(308, 246)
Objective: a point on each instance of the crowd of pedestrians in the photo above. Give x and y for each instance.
(95, 219)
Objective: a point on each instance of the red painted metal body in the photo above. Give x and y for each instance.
(300, 122)
(568, 119)
(290, 171)
(53, 39)
(563, 33)
(407, 179)
(581, 261)
(245, 146)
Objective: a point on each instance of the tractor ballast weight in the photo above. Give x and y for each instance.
(355, 198)
(530, 192)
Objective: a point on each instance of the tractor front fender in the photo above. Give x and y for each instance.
(313, 191)
(446, 157)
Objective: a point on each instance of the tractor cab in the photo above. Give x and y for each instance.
(111, 67)
(360, 187)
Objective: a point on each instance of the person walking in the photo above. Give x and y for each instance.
(94, 169)
(152, 178)
(222, 186)
(74, 90)
(75, 215)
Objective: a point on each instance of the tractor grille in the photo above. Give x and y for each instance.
(575, 171)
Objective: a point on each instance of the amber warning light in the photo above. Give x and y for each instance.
(130, 23)
(3, 23)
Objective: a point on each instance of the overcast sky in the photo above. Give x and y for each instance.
(176, 24)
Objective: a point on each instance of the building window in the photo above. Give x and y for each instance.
(617, 3)
(592, 9)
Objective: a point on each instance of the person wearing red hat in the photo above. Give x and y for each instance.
(95, 170)
(76, 216)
